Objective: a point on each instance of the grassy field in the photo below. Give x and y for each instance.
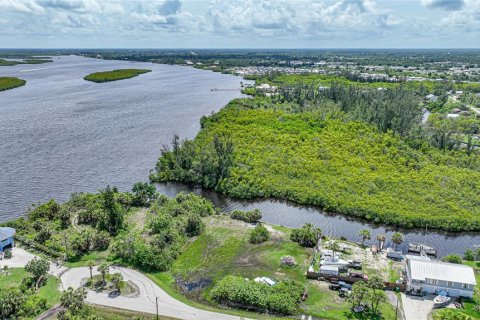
(7, 83)
(114, 75)
(49, 291)
(224, 249)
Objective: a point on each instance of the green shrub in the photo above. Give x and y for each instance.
(469, 255)
(281, 299)
(259, 234)
(452, 258)
(252, 216)
(306, 236)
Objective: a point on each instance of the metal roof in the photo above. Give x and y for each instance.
(421, 269)
(6, 233)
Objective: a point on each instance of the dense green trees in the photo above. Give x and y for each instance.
(306, 236)
(144, 193)
(10, 83)
(38, 268)
(282, 298)
(115, 75)
(73, 302)
(171, 222)
(452, 258)
(322, 158)
(252, 216)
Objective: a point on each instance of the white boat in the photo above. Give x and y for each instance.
(441, 301)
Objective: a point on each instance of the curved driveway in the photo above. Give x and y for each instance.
(145, 301)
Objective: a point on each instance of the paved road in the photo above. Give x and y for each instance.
(417, 308)
(20, 258)
(145, 301)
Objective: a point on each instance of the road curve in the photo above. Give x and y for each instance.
(145, 301)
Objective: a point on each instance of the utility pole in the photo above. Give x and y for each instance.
(156, 302)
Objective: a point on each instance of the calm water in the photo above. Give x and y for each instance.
(293, 215)
(60, 134)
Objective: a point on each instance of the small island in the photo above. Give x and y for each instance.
(9, 63)
(7, 83)
(114, 75)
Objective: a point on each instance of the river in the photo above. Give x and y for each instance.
(60, 134)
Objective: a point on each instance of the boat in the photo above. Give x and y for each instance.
(419, 248)
(442, 300)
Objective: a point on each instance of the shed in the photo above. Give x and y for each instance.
(6, 238)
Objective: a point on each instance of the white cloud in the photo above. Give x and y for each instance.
(26, 6)
(450, 5)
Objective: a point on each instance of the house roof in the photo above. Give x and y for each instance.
(6, 233)
(421, 269)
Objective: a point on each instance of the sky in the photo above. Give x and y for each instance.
(240, 24)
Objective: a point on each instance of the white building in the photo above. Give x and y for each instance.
(424, 275)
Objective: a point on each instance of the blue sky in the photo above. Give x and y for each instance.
(240, 24)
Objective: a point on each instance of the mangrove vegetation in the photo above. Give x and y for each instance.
(115, 75)
(7, 83)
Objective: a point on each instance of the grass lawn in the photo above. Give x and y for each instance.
(7, 83)
(224, 249)
(114, 75)
(49, 291)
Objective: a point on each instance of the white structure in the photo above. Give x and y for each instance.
(329, 270)
(265, 280)
(424, 275)
(391, 253)
(431, 97)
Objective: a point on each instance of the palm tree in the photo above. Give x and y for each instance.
(380, 238)
(365, 234)
(103, 269)
(117, 279)
(397, 238)
(334, 246)
(91, 264)
(73, 300)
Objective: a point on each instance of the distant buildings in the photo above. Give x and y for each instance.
(426, 276)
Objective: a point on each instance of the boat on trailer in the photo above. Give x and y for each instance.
(442, 300)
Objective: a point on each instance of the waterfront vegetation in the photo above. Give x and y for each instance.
(7, 83)
(19, 298)
(186, 247)
(115, 75)
(346, 149)
(7, 63)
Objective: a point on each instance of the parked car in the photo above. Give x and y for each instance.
(357, 275)
(333, 280)
(345, 285)
(334, 287)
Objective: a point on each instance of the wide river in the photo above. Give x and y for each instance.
(60, 134)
